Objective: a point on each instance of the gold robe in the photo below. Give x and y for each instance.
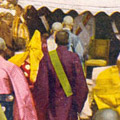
(107, 90)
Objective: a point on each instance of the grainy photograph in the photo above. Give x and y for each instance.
(59, 60)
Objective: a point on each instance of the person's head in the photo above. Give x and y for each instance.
(56, 26)
(62, 37)
(2, 46)
(19, 44)
(19, 10)
(44, 37)
(68, 22)
(8, 19)
(106, 114)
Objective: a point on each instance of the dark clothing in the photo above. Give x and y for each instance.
(50, 99)
(8, 105)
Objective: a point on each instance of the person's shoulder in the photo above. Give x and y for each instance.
(8, 63)
(11, 66)
(73, 55)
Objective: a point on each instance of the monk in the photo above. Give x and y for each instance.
(60, 89)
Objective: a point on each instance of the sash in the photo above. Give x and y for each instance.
(60, 72)
(2, 115)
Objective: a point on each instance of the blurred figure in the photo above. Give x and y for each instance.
(19, 26)
(84, 28)
(6, 34)
(15, 97)
(28, 57)
(8, 19)
(74, 41)
(106, 114)
(56, 26)
(106, 90)
(19, 10)
(60, 89)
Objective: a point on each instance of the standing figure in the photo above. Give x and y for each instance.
(19, 27)
(74, 44)
(60, 89)
(56, 26)
(28, 58)
(6, 34)
(84, 28)
(15, 97)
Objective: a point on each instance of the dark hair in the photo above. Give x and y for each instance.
(45, 36)
(62, 37)
(19, 44)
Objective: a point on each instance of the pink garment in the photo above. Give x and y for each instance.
(12, 79)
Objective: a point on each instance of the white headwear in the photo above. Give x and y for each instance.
(56, 26)
(68, 20)
(2, 44)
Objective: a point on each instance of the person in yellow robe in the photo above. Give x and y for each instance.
(32, 55)
(107, 89)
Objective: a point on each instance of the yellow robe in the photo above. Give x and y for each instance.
(107, 90)
(35, 54)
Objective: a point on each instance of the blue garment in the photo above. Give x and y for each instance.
(75, 45)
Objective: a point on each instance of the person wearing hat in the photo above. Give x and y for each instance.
(74, 41)
(60, 87)
(16, 102)
(106, 114)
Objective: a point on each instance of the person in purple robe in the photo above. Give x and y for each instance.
(51, 101)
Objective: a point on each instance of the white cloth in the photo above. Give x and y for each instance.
(51, 45)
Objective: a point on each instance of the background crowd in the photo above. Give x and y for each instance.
(47, 60)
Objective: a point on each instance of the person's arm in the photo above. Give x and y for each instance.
(79, 50)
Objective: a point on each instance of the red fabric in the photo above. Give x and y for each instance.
(50, 99)
(27, 71)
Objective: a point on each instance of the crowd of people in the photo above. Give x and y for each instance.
(42, 74)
